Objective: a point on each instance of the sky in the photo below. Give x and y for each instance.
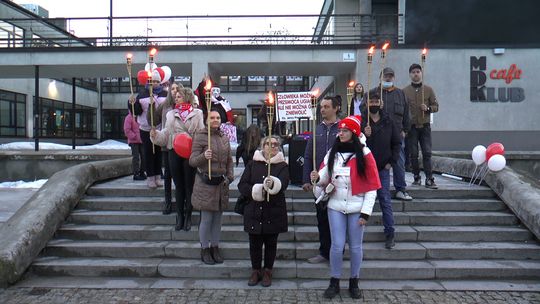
(185, 26)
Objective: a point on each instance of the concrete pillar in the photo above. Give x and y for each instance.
(340, 88)
(98, 110)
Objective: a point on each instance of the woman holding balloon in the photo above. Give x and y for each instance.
(181, 124)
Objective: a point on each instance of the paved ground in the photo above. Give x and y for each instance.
(258, 296)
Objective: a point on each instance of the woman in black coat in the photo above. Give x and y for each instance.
(264, 219)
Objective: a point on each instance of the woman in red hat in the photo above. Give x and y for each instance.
(184, 118)
(348, 180)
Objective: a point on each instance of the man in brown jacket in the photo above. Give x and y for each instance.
(420, 132)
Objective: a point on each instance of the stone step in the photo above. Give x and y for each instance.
(375, 270)
(296, 217)
(294, 250)
(461, 190)
(298, 233)
(41, 282)
(120, 203)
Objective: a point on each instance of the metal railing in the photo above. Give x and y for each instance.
(204, 30)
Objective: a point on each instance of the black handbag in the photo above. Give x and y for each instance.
(214, 181)
(241, 203)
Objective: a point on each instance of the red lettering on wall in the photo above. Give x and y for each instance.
(508, 75)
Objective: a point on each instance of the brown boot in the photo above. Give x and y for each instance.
(255, 277)
(267, 277)
(206, 257)
(216, 255)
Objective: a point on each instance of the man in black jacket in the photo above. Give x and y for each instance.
(397, 108)
(383, 139)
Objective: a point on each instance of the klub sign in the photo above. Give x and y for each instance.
(480, 73)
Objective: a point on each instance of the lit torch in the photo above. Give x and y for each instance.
(129, 56)
(151, 105)
(383, 63)
(314, 97)
(208, 100)
(369, 61)
(153, 53)
(423, 61)
(350, 92)
(270, 118)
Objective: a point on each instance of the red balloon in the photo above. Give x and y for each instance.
(494, 149)
(142, 77)
(182, 145)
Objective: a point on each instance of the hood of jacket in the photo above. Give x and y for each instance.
(278, 158)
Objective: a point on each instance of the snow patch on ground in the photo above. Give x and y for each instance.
(22, 184)
(105, 145)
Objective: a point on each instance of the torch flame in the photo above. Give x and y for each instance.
(385, 46)
(315, 93)
(149, 73)
(371, 50)
(270, 98)
(153, 51)
(208, 85)
(424, 51)
(351, 83)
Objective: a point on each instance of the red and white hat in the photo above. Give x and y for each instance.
(352, 123)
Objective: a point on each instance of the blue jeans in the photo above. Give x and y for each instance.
(383, 195)
(343, 227)
(398, 169)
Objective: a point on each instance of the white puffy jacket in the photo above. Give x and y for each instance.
(342, 199)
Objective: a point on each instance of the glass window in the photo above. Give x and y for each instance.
(56, 119)
(12, 114)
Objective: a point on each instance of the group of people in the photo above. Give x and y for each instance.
(354, 156)
(390, 126)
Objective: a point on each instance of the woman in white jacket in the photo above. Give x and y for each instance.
(183, 118)
(350, 179)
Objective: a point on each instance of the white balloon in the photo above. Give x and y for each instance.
(479, 155)
(496, 163)
(147, 66)
(168, 73)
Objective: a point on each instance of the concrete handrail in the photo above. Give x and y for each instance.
(27, 232)
(517, 192)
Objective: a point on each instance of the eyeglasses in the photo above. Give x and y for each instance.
(274, 144)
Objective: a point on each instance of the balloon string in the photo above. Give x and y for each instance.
(474, 173)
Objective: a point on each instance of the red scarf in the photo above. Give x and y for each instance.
(183, 110)
(363, 183)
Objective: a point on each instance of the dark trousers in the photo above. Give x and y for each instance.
(167, 184)
(256, 242)
(183, 176)
(385, 202)
(324, 231)
(152, 157)
(422, 136)
(137, 159)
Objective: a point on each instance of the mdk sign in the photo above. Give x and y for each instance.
(504, 92)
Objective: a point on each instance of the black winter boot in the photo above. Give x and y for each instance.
(216, 255)
(333, 289)
(179, 222)
(167, 207)
(206, 257)
(353, 288)
(187, 222)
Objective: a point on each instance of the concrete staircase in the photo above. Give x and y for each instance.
(454, 233)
